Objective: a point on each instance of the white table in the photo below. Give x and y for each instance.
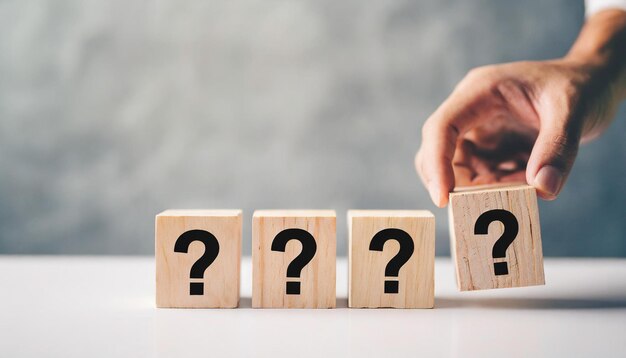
(104, 307)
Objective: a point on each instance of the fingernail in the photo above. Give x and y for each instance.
(548, 180)
(435, 195)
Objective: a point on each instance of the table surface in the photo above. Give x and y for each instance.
(104, 307)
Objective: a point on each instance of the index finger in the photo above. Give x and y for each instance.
(464, 109)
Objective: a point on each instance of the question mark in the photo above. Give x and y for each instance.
(511, 228)
(309, 247)
(211, 249)
(406, 251)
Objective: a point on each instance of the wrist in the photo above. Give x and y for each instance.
(599, 49)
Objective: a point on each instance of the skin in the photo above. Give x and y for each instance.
(524, 121)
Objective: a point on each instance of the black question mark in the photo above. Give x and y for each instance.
(406, 251)
(211, 249)
(309, 247)
(511, 228)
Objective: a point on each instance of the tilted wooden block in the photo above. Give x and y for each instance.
(495, 238)
(198, 255)
(293, 259)
(391, 258)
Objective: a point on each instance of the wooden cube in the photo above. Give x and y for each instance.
(391, 258)
(198, 255)
(293, 259)
(495, 237)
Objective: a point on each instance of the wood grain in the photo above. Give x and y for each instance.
(473, 253)
(221, 278)
(367, 268)
(269, 268)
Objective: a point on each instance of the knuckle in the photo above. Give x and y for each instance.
(480, 72)
(475, 72)
(483, 79)
(564, 146)
(559, 143)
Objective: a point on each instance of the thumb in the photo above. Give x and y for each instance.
(553, 154)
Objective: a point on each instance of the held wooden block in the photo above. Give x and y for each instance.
(377, 239)
(293, 259)
(198, 256)
(495, 237)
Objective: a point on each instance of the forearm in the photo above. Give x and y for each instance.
(602, 45)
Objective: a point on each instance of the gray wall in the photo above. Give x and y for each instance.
(111, 111)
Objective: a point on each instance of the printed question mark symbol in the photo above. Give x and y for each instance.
(211, 249)
(406, 251)
(309, 247)
(511, 228)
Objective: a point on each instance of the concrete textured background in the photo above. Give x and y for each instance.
(111, 111)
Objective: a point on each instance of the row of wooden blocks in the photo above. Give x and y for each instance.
(391, 253)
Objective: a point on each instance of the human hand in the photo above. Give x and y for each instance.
(518, 122)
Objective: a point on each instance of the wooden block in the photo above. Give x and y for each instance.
(376, 237)
(283, 242)
(198, 255)
(482, 224)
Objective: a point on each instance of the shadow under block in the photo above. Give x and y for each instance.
(279, 237)
(183, 237)
(483, 257)
(414, 285)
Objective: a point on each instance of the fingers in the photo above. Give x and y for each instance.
(434, 161)
(553, 154)
(470, 103)
(464, 163)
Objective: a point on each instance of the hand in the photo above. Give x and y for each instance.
(517, 122)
